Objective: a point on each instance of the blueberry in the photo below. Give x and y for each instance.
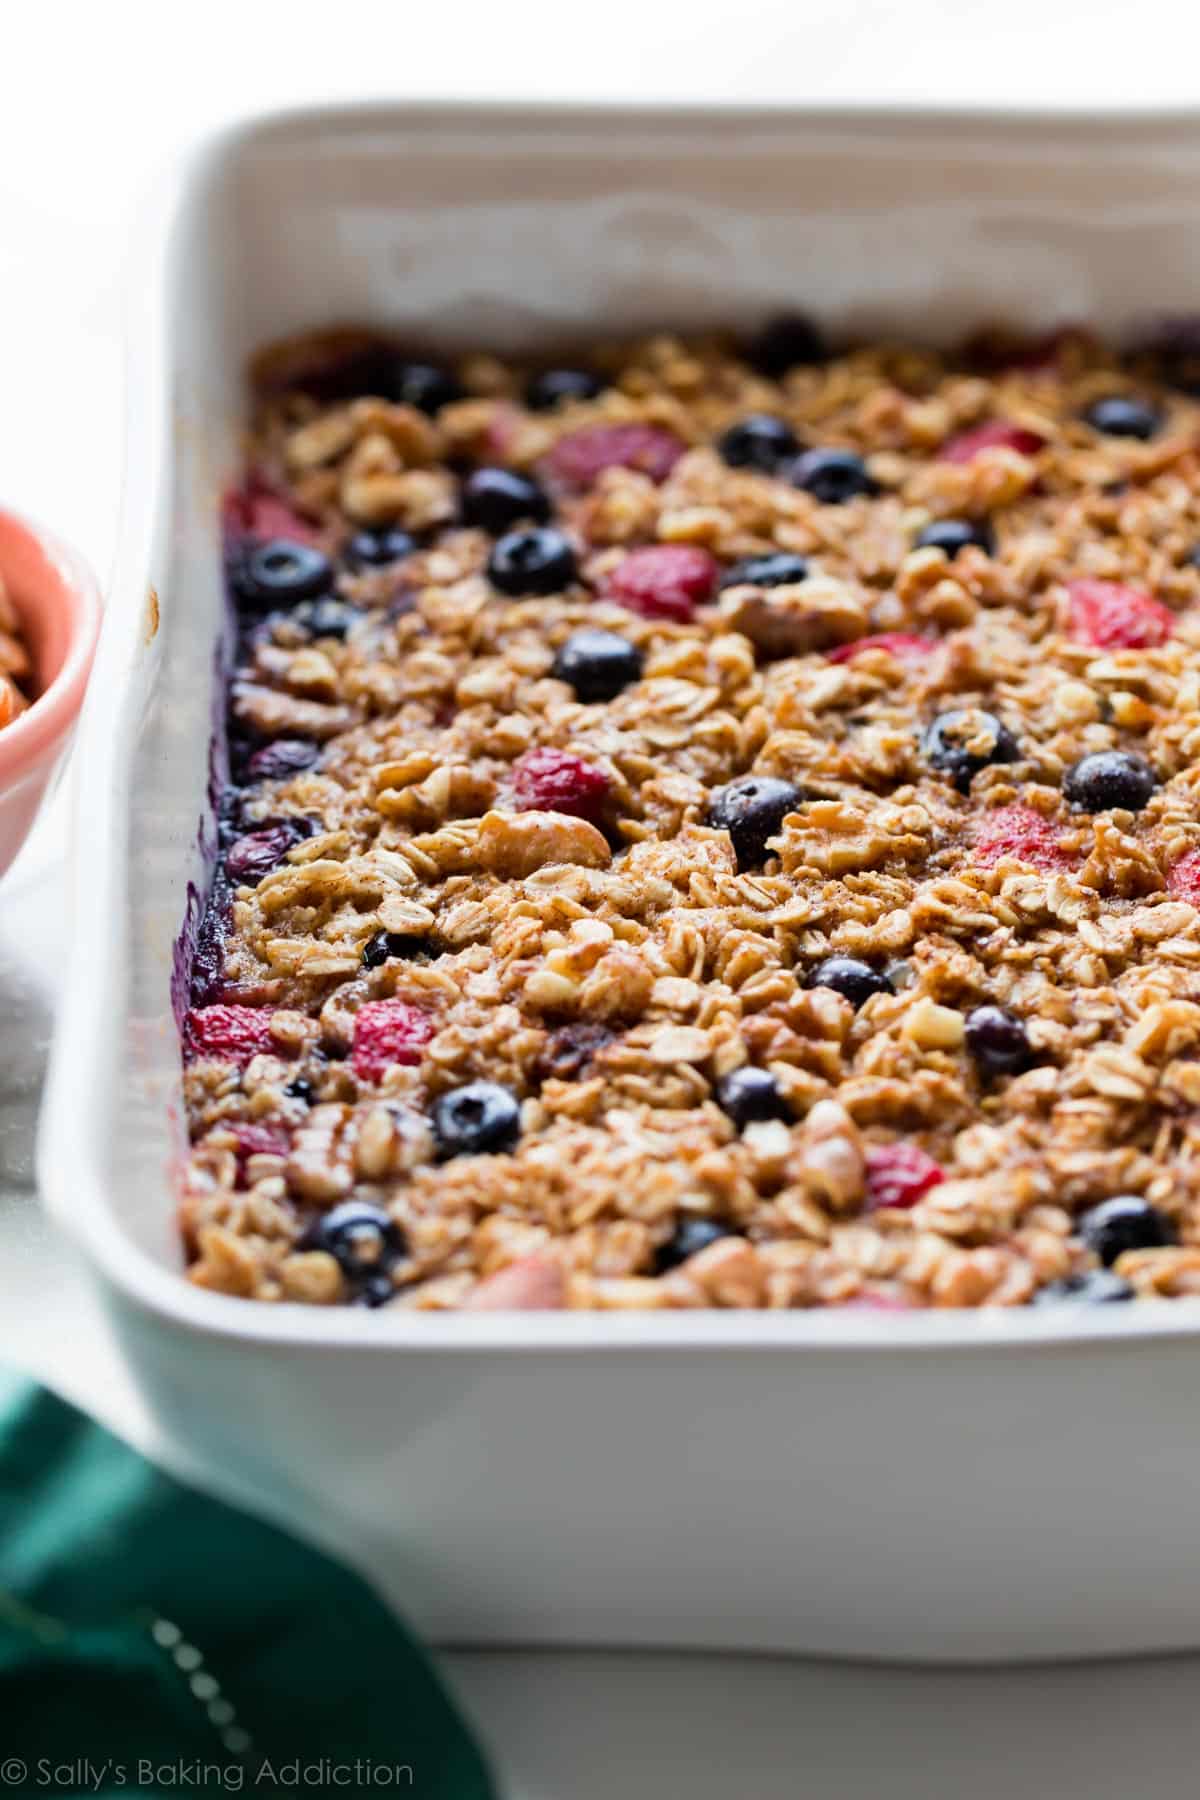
(1126, 1222)
(776, 570)
(301, 1088)
(384, 944)
(1097, 1287)
(786, 342)
(375, 951)
(327, 617)
(1118, 415)
(833, 476)
(207, 975)
(364, 371)
(1107, 779)
(570, 1050)
(749, 1095)
(751, 811)
(280, 760)
(690, 1236)
(282, 571)
(962, 742)
(258, 852)
(855, 981)
(379, 371)
(538, 561)
(479, 1117)
(598, 664)
(376, 1291)
(497, 499)
(363, 1239)
(997, 1040)
(953, 535)
(423, 385)
(375, 549)
(553, 385)
(760, 441)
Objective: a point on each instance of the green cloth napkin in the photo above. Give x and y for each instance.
(155, 1643)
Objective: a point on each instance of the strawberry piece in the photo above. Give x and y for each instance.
(1020, 832)
(1115, 617)
(899, 1174)
(996, 436)
(894, 643)
(265, 1139)
(261, 1138)
(872, 1300)
(533, 1283)
(387, 1032)
(501, 432)
(550, 780)
(577, 459)
(229, 1033)
(254, 510)
(664, 581)
(1183, 878)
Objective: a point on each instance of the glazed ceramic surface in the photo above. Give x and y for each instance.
(935, 1485)
(56, 596)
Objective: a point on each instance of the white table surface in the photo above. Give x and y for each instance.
(93, 102)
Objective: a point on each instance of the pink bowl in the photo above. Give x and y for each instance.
(59, 602)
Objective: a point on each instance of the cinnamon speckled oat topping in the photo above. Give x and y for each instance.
(705, 837)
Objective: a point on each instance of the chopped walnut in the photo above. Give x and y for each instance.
(512, 845)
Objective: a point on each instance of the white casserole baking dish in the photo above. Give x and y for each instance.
(953, 1485)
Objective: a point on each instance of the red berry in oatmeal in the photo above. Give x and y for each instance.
(691, 805)
(231, 1033)
(892, 643)
(555, 781)
(387, 1033)
(1020, 832)
(1183, 878)
(579, 458)
(900, 1175)
(253, 511)
(664, 581)
(1115, 617)
(271, 1138)
(998, 435)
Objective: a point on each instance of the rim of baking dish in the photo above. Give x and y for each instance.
(70, 1157)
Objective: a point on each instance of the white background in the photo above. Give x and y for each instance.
(94, 102)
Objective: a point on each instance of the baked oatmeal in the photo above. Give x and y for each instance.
(707, 826)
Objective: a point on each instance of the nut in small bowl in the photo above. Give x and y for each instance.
(49, 621)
